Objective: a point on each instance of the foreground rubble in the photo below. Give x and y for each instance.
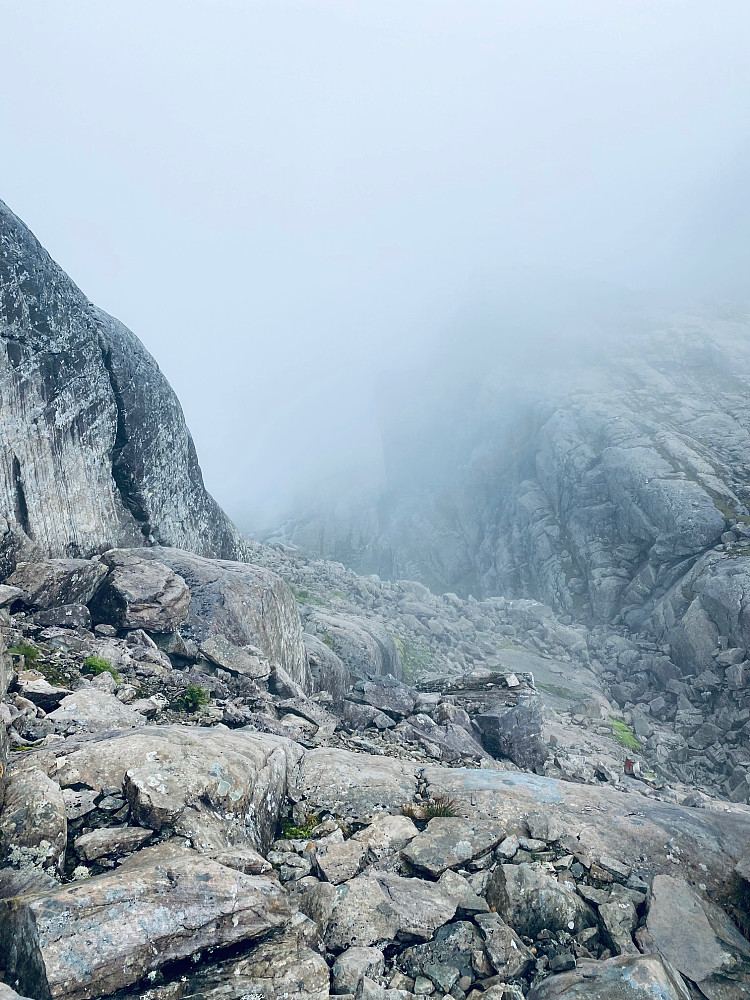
(208, 812)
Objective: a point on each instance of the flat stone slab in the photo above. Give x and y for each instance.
(95, 711)
(338, 863)
(683, 935)
(354, 786)
(90, 939)
(450, 841)
(109, 841)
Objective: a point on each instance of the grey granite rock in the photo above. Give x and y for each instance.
(143, 917)
(240, 604)
(95, 448)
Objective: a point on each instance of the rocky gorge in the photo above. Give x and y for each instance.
(235, 770)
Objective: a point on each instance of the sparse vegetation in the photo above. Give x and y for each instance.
(29, 653)
(625, 735)
(96, 665)
(438, 805)
(193, 697)
(327, 640)
(290, 831)
(304, 596)
(414, 657)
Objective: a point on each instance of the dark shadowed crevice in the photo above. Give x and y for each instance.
(122, 474)
(22, 510)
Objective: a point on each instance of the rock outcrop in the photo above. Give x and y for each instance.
(94, 451)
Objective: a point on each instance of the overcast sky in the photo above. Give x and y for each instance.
(286, 201)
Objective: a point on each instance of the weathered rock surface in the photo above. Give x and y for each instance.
(111, 841)
(380, 907)
(57, 946)
(685, 933)
(450, 841)
(246, 606)
(623, 978)
(365, 647)
(95, 451)
(351, 785)
(94, 710)
(604, 821)
(531, 902)
(33, 821)
(218, 788)
(139, 593)
(52, 582)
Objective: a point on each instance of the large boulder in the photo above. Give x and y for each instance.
(219, 788)
(327, 670)
(531, 902)
(49, 583)
(354, 786)
(91, 939)
(140, 593)
(94, 451)
(515, 733)
(365, 647)
(247, 607)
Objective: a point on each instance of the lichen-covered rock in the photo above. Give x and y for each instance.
(33, 823)
(378, 907)
(243, 605)
(49, 583)
(94, 451)
(93, 938)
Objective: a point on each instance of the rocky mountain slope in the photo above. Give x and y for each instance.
(233, 771)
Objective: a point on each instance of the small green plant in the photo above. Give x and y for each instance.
(290, 831)
(30, 653)
(96, 665)
(193, 698)
(304, 596)
(339, 593)
(438, 805)
(441, 805)
(327, 640)
(625, 735)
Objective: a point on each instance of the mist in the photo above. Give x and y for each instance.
(315, 213)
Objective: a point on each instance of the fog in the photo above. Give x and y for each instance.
(303, 207)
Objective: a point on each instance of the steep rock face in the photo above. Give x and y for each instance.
(94, 451)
